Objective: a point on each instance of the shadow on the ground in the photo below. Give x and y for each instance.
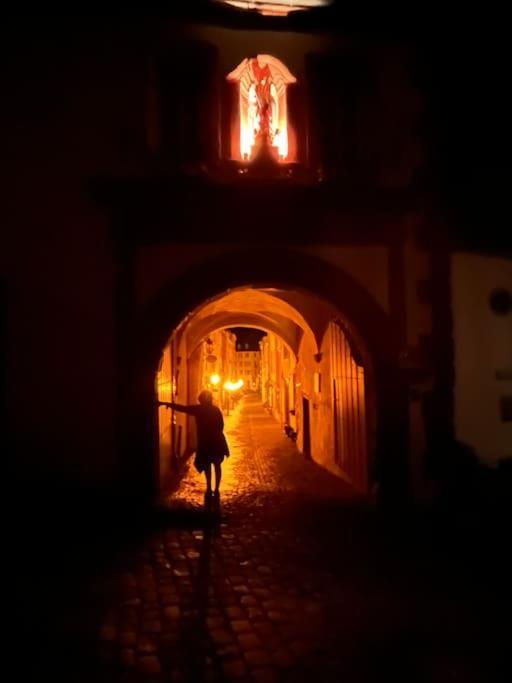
(422, 566)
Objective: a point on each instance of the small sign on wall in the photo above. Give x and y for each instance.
(506, 408)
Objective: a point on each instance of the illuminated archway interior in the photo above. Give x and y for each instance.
(262, 116)
(308, 354)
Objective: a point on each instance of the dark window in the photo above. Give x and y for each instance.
(342, 92)
(188, 89)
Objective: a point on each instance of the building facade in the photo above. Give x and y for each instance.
(248, 368)
(199, 173)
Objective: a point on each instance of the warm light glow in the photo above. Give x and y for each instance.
(263, 81)
(234, 386)
(280, 8)
(215, 379)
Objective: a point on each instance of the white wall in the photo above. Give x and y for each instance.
(483, 345)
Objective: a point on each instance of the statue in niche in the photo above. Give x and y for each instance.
(262, 103)
(262, 114)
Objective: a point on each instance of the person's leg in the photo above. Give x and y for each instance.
(218, 476)
(208, 475)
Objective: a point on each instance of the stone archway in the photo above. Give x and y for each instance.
(261, 268)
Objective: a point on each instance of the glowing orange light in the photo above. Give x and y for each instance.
(215, 379)
(262, 82)
(234, 386)
(280, 8)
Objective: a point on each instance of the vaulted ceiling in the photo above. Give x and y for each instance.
(290, 314)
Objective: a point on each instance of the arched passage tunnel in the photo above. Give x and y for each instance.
(314, 309)
(315, 377)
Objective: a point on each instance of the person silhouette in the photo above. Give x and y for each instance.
(212, 446)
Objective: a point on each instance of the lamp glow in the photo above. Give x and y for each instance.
(215, 379)
(234, 386)
(263, 81)
(279, 8)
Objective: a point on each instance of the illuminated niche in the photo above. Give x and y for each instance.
(260, 125)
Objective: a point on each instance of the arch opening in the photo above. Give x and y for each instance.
(316, 382)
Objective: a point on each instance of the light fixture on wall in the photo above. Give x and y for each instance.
(210, 356)
(262, 117)
(276, 8)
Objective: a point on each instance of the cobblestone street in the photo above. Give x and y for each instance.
(263, 463)
(294, 581)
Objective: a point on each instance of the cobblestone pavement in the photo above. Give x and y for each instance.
(263, 463)
(292, 580)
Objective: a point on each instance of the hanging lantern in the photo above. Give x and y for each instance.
(210, 356)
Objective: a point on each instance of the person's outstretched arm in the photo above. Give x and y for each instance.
(190, 410)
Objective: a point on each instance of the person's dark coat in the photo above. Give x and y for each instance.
(211, 442)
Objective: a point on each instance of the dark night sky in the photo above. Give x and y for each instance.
(247, 335)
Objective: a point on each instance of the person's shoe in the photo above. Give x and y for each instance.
(216, 497)
(208, 497)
